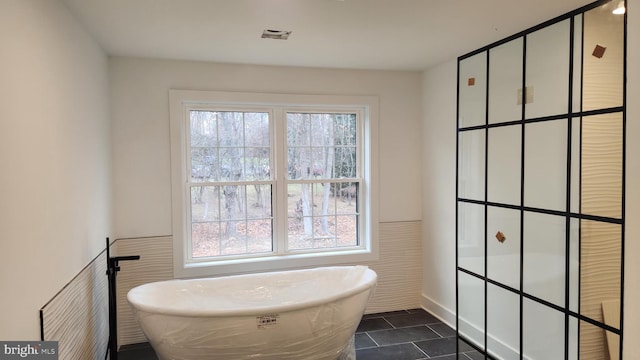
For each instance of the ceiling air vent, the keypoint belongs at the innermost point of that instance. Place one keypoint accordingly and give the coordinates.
(276, 34)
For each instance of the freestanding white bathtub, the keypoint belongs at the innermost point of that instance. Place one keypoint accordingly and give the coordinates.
(298, 314)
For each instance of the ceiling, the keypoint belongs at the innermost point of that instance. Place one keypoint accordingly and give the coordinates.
(355, 34)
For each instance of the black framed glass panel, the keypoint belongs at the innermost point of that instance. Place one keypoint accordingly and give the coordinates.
(540, 189)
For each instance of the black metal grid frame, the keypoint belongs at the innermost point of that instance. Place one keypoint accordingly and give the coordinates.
(568, 314)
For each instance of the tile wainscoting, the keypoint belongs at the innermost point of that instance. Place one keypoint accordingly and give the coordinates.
(78, 315)
(155, 264)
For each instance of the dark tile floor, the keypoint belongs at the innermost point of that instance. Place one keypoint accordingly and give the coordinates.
(408, 335)
(398, 335)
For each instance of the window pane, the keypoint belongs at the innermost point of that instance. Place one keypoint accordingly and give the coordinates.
(256, 129)
(322, 215)
(298, 129)
(251, 237)
(232, 203)
(347, 230)
(259, 201)
(345, 129)
(299, 145)
(346, 202)
(257, 164)
(208, 242)
(299, 163)
(205, 204)
(231, 164)
(321, 145)
(230, 128)
(259, 234)
(345, 165)
(322, 159)
(230, 146)
(204, 128)
(231, 141)
(322, 130)
(324, 203)
(204, 164)
(342, 232)
(205, 239)
(231, 220)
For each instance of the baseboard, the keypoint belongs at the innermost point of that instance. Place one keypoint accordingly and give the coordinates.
(448, 316)
(438, 310)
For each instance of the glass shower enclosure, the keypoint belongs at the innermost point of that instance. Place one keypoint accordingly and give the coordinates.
(540, 190)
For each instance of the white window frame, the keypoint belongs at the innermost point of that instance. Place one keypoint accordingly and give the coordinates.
(181, 101)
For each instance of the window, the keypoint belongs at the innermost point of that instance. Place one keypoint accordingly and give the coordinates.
(229, 159)
(265, 181)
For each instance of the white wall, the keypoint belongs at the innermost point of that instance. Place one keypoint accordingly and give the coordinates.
(140, 103)
(439, 190)
(439, 103)
(55, 189)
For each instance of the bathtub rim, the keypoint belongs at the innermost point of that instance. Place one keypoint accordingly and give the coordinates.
(366, 283)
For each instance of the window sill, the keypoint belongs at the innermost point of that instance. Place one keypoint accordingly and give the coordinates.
(273, 263)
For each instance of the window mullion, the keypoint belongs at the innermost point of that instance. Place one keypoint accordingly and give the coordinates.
(280, 191)
(187, 181)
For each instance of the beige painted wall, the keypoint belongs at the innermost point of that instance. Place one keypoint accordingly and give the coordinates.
(55, 187)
